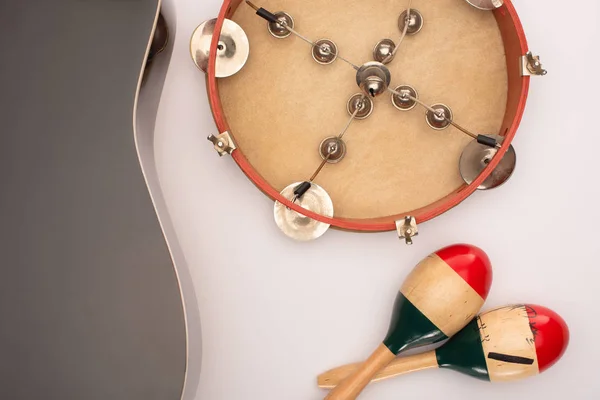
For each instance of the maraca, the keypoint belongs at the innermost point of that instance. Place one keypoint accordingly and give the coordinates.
(504, 344)
(439, 297)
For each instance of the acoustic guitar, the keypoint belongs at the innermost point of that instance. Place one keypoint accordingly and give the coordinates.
(92, 294)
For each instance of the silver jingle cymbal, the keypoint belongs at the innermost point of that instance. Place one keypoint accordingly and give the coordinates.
(415, 22)
(232, 51)
(405, 103)
(373, 78)
(384, 51)
(324, 51)
(332, 149)
(298, 226)
(476, 157)
(439, 121)
(486, 5)
(278, 31)
(363, 103)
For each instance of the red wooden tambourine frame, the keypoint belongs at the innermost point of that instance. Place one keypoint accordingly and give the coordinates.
(515, 45)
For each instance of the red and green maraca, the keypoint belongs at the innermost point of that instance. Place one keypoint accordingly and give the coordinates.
(439, 297)
(503, 344)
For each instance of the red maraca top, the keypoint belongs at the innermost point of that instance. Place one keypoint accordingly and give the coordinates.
(551, 335)
(470, 263)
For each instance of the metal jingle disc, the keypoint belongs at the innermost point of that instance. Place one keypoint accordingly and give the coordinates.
(439, 122)
(415, 22)
(324, 51)
(384, 51)
(373, 78)
(279, 31)
(486, 5)
(332, 149)
(363, 103)
(232, 51)
(405, 103)
(298, 226)
(476, 157)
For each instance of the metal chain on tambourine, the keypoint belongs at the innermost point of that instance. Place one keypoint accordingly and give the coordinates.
(272, 18)
(404, 32)
(331, 149)
(440, 113)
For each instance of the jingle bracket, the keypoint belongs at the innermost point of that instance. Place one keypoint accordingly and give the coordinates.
(224, 143)
(531, 65)
(407, 229)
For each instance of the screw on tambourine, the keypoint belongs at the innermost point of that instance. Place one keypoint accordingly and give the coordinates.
(439, 117)
(404, 101)
(384, 51)
(373, 78)
(324, 51)
(279, 30)
(360, 106)
(414, 20)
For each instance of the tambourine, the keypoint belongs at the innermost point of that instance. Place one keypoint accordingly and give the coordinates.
(366, 116)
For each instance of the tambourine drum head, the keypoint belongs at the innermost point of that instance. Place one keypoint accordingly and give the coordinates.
(282, 104)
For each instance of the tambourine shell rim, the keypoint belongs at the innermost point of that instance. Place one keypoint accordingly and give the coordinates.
(374, 224)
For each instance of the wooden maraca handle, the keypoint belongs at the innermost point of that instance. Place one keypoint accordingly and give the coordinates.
(400, 366)
(351, 387)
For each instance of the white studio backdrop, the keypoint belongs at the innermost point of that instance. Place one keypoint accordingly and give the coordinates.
(276, 313)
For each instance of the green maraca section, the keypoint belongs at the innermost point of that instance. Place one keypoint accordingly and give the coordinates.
(410, 328)
(464, 353)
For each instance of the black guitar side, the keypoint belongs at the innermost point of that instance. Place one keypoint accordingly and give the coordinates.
(90, 301)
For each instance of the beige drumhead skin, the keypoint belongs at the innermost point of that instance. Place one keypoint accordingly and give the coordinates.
(282, 104)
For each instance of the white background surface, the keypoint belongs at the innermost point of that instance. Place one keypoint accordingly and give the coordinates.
(275, 313)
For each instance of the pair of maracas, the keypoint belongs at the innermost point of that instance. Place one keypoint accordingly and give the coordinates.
(440, 299)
